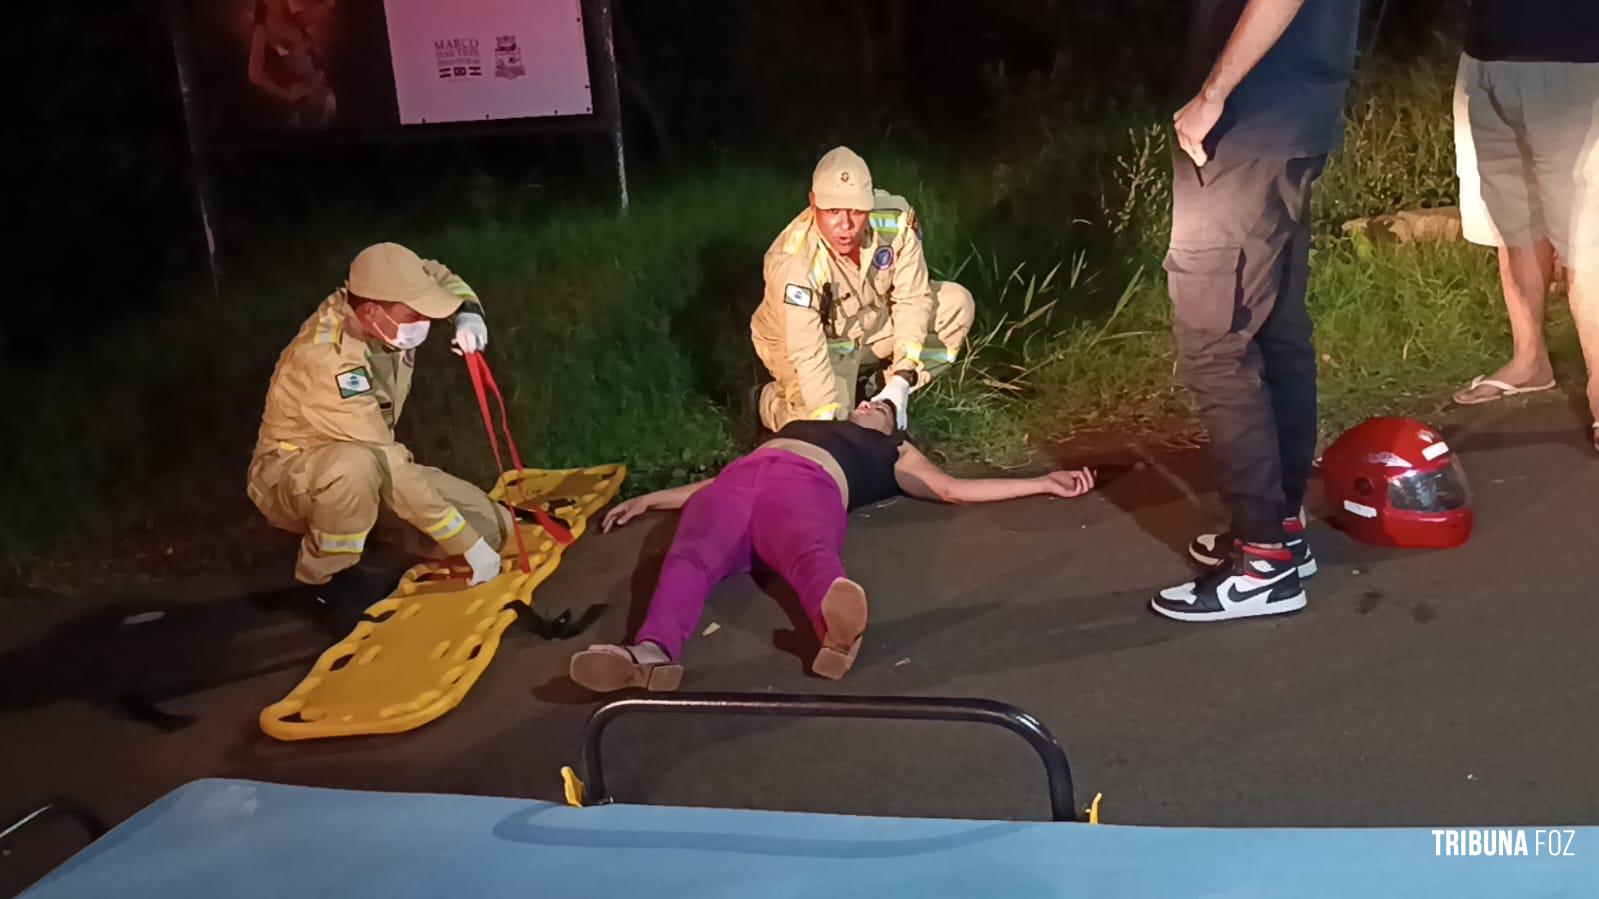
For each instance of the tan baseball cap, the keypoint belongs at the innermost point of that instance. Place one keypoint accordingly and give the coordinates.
(393, 274)
(842, 181)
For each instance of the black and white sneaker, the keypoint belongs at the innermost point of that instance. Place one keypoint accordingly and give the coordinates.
(1258, 582)
(1215, 550)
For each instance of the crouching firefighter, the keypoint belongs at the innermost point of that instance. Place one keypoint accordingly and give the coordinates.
(327, 465)
(847, 287)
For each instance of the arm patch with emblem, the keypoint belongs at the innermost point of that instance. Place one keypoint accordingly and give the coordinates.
(354, 382)
(795, 295)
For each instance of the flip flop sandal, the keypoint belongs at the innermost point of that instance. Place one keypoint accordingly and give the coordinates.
(607, 668)
(844, 614)
(1505, 390)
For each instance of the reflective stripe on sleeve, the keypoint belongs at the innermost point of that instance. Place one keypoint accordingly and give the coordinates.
(821, 269)
(341, 544)
(451, 524)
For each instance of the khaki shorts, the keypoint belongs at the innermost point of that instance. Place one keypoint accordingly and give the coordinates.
(1527, 148)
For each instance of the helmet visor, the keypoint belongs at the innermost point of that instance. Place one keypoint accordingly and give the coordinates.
(1443, 490)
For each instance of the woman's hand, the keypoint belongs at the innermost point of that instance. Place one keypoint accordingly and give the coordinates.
(1068, 484)
(625, 512)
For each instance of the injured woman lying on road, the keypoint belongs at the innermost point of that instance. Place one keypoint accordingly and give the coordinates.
(786, 505)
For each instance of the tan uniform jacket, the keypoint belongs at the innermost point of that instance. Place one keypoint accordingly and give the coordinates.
(817, 302)
(331, 386)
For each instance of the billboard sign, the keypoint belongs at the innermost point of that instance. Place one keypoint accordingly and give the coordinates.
(476, 60)
(357, 65)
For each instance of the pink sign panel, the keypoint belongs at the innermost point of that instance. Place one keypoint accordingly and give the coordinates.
(476, 60)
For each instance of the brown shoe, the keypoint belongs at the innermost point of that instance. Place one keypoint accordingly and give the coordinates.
(606, 668)
(844, 617)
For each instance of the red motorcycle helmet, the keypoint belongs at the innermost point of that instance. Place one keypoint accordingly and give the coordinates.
(1395, 482)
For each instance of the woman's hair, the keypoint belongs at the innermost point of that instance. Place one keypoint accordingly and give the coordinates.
(903, 434)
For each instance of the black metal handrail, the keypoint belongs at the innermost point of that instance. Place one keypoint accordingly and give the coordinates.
(1062, 804)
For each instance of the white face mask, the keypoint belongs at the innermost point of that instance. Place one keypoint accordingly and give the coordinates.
(409, 336)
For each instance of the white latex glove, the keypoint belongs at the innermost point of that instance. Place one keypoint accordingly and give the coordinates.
(471, 334)
(898, 392)
(485, 563)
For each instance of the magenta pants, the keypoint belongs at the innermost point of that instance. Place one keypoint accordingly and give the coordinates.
(771, 505)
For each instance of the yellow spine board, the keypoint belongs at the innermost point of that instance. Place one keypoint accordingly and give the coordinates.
(433, 637)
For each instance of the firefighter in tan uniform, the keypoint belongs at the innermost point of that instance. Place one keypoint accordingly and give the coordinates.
(847, 286)
(327, 465)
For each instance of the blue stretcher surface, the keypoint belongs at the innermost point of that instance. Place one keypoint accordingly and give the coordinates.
(242, 839)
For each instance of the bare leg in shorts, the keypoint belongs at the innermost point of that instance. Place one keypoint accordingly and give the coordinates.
(1535, 131)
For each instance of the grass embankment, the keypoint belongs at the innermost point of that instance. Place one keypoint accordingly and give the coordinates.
(625, 337)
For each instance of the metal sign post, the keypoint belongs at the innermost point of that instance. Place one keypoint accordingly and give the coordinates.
(613, 97)
(182, 55)
(220, 111)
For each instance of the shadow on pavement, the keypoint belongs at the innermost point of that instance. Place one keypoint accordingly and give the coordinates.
(129, 657)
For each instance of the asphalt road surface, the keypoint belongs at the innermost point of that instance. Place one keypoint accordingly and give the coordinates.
(1425, 688)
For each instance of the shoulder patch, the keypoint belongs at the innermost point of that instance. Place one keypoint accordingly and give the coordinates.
(886, 222)
(883, 258)
(795, 295)
(354, 382)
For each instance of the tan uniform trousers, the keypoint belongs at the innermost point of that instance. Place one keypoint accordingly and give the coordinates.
(336, 495)
(953, 313)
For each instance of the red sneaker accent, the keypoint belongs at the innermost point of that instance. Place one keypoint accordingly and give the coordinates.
(1282, 554)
